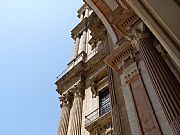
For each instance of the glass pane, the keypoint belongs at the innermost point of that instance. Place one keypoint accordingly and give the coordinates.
(104, 102)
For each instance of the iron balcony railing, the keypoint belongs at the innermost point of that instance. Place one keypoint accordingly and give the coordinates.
(93, 116)
(62, 73)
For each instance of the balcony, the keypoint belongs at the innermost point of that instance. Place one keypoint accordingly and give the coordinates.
(98, 116)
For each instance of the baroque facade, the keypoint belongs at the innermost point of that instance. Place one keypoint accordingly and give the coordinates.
(124, 75)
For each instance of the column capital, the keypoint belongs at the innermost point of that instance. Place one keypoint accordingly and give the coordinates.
(138, 33)
(78, 89)
(66, 99)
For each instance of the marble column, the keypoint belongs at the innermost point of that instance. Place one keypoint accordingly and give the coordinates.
(76, 121)
(165, 83)
(75, 53)
(82, 45)
(66, 107)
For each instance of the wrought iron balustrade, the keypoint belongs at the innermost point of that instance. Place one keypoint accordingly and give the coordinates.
(93, 116)
(62, 73)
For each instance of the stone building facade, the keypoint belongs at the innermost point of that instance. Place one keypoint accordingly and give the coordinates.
(124, 75)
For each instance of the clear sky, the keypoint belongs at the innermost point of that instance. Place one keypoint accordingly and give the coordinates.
(35, 46)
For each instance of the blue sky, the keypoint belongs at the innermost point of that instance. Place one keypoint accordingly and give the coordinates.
(35, 46)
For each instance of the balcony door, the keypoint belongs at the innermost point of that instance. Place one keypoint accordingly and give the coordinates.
(104, 102)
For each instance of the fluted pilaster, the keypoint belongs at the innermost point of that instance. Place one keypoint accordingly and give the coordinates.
(76, 121)
(116, 119)
(165, 83)
(66, 107)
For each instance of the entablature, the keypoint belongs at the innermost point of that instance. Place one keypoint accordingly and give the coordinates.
(123, 57)
(97, 28)
(79, 28)
(67, 80)
(82, 9)
(80, 69)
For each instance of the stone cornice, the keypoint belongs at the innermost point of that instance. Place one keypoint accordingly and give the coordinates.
(128, 19)
(92, 64)
(81, 70)
(94, 23)
(123, 17)
(79, 28)
(138, 33)
(83, 7)
(114, 59)
(76, 71)
(97, 28)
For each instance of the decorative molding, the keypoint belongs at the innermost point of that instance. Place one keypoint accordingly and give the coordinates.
(104, 20)
(97, 60)
(78, 89)
(127, 22)
(93, 89)
(66, 81)
(80, 70)
(83, 7)
(98, 30)
(130, 72)
(77, 31)
(66, 99)
(136, 34)
(117, 57)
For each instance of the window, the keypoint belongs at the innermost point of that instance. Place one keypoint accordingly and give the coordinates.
(104, 102)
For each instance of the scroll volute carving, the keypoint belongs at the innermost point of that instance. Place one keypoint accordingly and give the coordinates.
(135, 34)
(66, 99)
(93, 87)
(78, 89)
(98, 31)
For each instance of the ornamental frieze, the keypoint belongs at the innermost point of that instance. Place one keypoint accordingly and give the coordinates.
(115, 59)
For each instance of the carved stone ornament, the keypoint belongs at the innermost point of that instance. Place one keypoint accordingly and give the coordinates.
(131, 72)
(78, 90)
(66, 99)
(93, 89)
(98, 31)
(138, 33)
